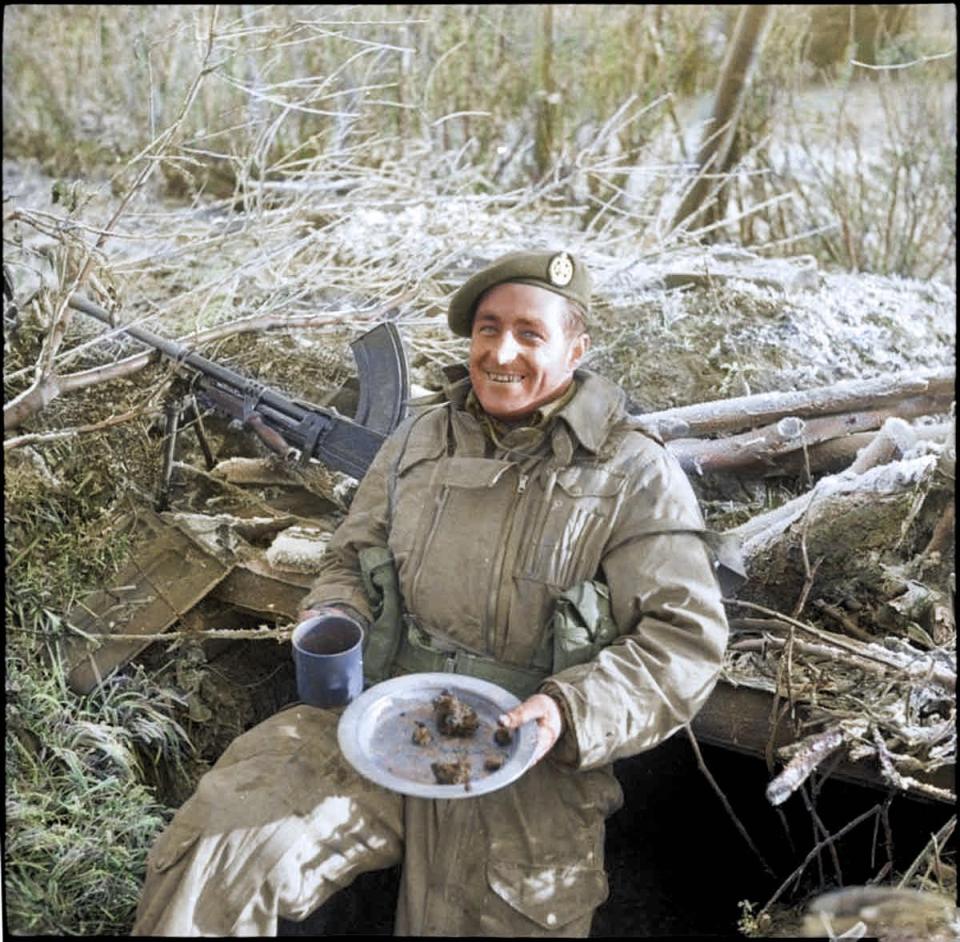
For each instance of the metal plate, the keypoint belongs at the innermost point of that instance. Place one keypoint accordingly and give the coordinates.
(375, 734)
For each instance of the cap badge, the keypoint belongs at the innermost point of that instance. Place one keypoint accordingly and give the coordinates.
(560, 270)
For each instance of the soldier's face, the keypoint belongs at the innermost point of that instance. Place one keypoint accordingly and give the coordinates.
(520, 354)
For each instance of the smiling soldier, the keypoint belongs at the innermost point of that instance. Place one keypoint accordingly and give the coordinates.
(520, 528)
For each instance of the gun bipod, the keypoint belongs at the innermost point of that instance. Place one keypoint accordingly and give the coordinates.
(180, 411)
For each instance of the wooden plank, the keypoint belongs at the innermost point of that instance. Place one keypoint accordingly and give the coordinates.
(739, 718)
(167, 574)
(257, 587)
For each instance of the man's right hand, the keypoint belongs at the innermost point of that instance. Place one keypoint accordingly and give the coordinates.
(341, 611)
(317, 612)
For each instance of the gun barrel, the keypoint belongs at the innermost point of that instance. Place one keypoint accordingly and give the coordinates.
(180, 354)
(341, 443)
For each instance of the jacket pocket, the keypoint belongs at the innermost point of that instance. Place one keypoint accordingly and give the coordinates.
(446, 577)
(409, 492)
(418, 452)
(550, 896)
(590, 482)
(572, 524)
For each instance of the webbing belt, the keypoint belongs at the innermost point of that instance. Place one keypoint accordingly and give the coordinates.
(415, 656)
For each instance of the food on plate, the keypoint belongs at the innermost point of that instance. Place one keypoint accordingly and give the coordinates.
(451, 773)
(454, 717)
(421, 734)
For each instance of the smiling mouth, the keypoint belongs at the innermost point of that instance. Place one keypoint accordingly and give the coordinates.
(504, 377)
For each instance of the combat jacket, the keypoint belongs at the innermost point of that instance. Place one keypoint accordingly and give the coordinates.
(486, 539)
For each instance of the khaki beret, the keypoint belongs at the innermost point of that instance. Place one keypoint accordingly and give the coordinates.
(559, 272)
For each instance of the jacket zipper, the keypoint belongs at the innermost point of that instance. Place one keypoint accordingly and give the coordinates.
(495, 581)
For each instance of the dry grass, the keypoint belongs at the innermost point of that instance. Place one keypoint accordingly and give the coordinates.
(295, 97)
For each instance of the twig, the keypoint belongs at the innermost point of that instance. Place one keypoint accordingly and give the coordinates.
(903, 65)
(887, 829)
(250, 634)
(814, 750)
(809, 572)
(906, 782)
(813, 853)
(786, 829)
(35, 438)
(930, 672)
(723, 798)
(821, 828)
(848, 623)
(936, 840)
(776, 718)
(816, 833)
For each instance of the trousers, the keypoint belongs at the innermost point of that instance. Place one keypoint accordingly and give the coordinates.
(282, 821)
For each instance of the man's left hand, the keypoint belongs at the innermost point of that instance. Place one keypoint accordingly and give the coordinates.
(545, 711)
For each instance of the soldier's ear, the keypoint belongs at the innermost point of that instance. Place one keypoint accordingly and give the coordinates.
(578, 350)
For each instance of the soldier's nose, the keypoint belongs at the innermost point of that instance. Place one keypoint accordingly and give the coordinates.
(506, 350)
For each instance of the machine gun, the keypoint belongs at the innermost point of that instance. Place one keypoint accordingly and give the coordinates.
(288, 427)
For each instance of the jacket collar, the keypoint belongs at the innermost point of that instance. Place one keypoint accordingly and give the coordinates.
(596, 406)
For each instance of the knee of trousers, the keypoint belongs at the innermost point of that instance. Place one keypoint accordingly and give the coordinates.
(271, 830)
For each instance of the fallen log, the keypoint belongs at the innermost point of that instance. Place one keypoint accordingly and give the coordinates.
(739, 718)
(896, 438)
(746, 412)
(876, 483)
(838, 453)
(850, 524)
(763, 450)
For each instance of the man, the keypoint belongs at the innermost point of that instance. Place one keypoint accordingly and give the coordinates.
(538, 539)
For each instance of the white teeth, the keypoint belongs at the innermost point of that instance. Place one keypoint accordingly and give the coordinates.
(504, 377)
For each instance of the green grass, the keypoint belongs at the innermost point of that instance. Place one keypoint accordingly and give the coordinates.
(82, 772)
(80, 814)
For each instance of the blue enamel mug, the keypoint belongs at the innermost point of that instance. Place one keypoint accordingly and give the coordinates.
(328, 655)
